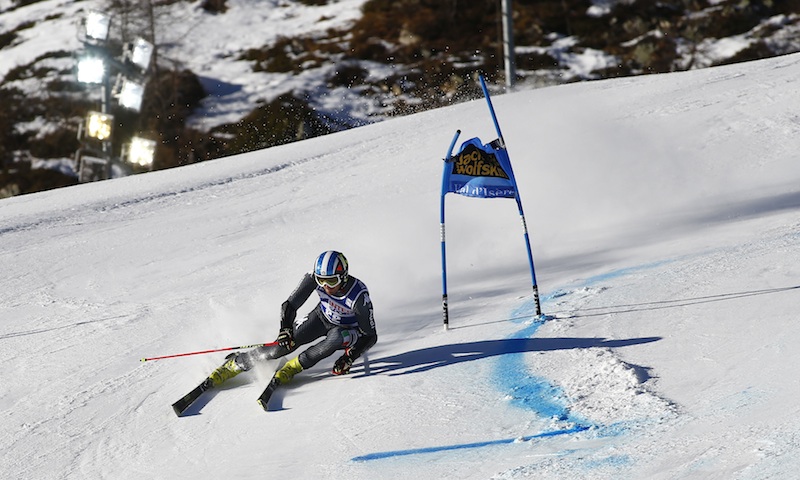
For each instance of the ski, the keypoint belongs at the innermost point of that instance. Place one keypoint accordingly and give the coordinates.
(263, 400)
(181, 406)
(184, 403)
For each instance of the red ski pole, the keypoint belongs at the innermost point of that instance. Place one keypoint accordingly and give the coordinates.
(210, 351)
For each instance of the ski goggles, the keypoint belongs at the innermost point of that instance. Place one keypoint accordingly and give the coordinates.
(331, 282)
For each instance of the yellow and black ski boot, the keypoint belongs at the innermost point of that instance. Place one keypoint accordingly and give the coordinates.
(292, 368)
(225, 372)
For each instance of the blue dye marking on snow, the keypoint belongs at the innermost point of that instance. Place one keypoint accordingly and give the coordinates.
(524, 390)
(445, 448)
(527, 391)
(623, 272)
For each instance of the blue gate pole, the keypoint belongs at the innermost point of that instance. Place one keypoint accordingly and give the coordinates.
(445, 189)
(491, 110)
(530, 257)
(519, 203)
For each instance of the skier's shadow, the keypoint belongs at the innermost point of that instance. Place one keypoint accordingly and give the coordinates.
(425, 359)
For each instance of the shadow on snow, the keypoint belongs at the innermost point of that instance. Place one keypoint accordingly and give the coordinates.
(440, 356)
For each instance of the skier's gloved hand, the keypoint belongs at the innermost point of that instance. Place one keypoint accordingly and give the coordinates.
(285, 338)
(343, 364)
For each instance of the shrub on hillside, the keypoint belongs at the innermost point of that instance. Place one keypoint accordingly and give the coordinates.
(170, 98)
(284, 120)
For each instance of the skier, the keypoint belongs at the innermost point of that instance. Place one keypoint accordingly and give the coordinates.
(343, 318)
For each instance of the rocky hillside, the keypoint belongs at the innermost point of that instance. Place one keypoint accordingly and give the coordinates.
(385, 58)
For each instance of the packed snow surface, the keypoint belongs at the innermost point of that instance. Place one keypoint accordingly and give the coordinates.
(663, 215)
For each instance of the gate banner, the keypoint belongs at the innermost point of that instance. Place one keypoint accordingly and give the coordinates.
(481, 171)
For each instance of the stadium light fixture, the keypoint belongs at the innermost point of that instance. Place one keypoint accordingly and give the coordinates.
(99, 125)
(141, 53)
(131, 94)
(141, 152)
(97, 25)
(91, 69)
(90, 167)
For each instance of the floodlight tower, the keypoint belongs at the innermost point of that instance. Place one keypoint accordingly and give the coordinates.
(95, 66)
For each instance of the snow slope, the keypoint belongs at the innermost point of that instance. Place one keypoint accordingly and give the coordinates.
(663, 217)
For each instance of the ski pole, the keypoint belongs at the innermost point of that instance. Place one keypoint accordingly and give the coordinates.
(210, 351)
(365, 359)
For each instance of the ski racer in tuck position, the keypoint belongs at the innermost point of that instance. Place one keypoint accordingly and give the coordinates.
(343, 318)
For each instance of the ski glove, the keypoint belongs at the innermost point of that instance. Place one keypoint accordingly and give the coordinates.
(285, 338)
(343, 364)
